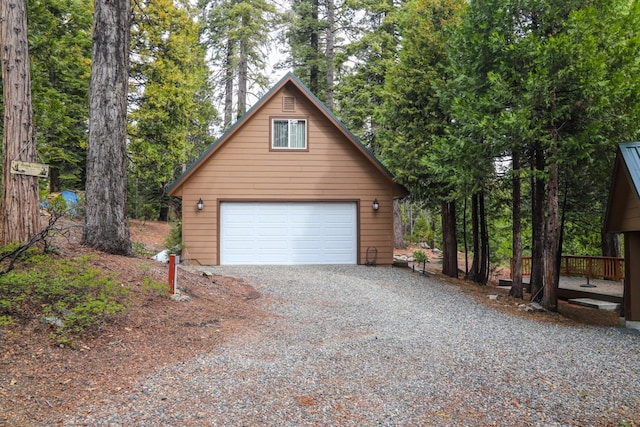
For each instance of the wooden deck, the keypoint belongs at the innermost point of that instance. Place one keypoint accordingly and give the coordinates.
(606, 268)
(573, 288)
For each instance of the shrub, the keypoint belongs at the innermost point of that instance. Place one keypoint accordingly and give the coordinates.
(419, 256)
(141, 250)
(174, 239)
(67, 292)
(155, 287)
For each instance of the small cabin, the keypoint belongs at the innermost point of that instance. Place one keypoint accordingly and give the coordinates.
(623, 216)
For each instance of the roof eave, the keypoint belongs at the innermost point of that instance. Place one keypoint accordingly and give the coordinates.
(628, 163)
(172, 188)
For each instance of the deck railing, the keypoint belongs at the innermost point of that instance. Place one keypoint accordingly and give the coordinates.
(594, 267)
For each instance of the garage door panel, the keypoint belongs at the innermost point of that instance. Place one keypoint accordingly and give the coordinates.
(236, 245)
(240, 232)
(305, 233)
(302, 245)
(272, 232)
(288, 233)
(336, 233)
(340, 245)
(272, 245)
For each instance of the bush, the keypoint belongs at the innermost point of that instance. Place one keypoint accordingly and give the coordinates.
(419, 256)
(422, 231)
(140, 250)
(67, 293)
(154, 287)
(174, 239)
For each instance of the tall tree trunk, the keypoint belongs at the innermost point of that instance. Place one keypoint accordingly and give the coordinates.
(516, 286)
(54, 180)
(475, 241)
(398, 229)
(19, 213)
(449, 241)
(464, 238)
(314, 72)
(537, 225)
(243, 66)
(551, 252)
(228, 85)
(330, 53)
(480, 267)
(106, 227)
(563, 218)
(611, 245)
(483, 272)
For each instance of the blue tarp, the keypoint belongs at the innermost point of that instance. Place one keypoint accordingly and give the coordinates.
(70, 197)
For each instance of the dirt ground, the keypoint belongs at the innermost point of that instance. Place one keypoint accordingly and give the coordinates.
(40, 380)
(569, 314)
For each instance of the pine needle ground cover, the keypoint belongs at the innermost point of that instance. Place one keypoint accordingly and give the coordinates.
(67, 293)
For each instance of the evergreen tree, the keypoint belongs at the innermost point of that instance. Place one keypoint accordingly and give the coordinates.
(172, 113)
(364, 64)
(60, 50)
(535, 76)
(237, 36)
(415, 140)
(314, 35)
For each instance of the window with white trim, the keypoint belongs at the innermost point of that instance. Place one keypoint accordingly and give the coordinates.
(289, 134)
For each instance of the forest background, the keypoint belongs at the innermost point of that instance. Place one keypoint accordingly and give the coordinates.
(502, 117)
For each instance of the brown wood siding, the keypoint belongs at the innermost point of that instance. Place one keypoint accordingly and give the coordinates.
(624, 210)
(632, 277)
(245, 168)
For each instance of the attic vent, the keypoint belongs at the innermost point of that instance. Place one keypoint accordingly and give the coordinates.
(288, 103)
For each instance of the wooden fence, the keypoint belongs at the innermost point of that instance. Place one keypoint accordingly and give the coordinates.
(594, 267)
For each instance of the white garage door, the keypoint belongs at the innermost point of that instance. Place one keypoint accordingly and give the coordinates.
(288, 233)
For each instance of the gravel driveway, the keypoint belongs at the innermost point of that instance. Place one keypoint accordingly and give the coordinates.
(355, 345)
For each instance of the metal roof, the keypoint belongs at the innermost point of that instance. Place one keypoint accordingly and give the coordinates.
(630, 152)
(626, 173)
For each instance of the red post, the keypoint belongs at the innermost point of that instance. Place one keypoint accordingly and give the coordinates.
(172, 274)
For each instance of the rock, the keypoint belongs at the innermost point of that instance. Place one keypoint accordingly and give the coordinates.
(436, 250)
(522, 306)
(493, 297)
(424, 245)
(162, 256)
(536, 307)
(181, 298)
(53, 321)
(397, 262)
(207, 273)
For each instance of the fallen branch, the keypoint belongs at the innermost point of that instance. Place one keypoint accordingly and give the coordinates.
(42, 237)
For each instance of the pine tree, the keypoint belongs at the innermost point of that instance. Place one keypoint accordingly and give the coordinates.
(106, 226)
(60, 50)
(414, 140)
(172, 115)
(19, 213)
(237, 35)
(535, 77)
(360, 90)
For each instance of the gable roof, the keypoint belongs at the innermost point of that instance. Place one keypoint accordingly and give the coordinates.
(631, 155)
(625, 186)
(289, 78)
